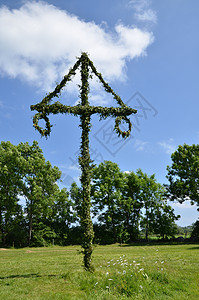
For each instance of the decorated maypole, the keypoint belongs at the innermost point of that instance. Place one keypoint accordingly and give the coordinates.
(84, 110)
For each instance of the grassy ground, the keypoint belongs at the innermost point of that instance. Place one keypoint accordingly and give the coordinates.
(127, 272)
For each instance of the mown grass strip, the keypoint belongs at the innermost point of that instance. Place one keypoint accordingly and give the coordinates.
(127, 272)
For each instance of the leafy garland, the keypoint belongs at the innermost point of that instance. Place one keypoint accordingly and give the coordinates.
(84, 110)
(44, 108)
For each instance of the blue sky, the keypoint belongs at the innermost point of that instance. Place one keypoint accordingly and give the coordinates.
(146, 50)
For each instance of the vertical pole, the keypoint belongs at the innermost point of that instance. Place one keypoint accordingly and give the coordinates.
(84, 160)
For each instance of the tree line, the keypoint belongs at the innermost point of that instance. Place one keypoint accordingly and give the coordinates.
(34, 211)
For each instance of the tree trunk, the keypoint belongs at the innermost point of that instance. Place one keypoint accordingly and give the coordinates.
(147, 232)
(1, 227)
(30, 224)
(114, 229)
(147, 229)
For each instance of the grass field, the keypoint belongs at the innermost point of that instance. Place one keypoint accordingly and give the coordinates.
(127, 272)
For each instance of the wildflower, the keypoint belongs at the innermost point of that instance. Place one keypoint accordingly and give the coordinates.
(161, 269)
(96, 283)
(107, 287)
(107, 273)
(124, 272)
(141, 270)
(110, 279)
(134, 261)
(145, 276)
(162, 262)
(141, 286)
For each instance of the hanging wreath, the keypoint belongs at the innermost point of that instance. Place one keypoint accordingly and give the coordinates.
(118, 122)
(40, 116)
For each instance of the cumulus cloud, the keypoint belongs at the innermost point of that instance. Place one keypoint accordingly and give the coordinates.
(140, 145)
(185, 205)
(127, 172)
(39, 42)
(143, 12)
(148, 15)
(168, 146)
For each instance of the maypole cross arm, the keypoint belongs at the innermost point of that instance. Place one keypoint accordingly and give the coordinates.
(44, 108)
(84, 110)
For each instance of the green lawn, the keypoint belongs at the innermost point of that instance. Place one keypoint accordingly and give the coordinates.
(127, 272)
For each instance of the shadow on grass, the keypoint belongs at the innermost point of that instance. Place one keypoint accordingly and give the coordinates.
(193, 248)
(158, 243)
(27, 276)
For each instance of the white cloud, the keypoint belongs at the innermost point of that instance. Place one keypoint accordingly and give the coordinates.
(185, 205)
(168, 146)
(140, 145)
(148, 15)
(143, 12)
(127, 172)
(39, 42)
(74, 167)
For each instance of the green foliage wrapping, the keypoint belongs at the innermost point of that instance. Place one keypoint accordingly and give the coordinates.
(84, 161)
(84, 110)
(44, 108)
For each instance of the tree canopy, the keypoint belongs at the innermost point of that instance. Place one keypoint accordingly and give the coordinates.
(25, 174)
(125, 202)
(126, 206)
(183, 174)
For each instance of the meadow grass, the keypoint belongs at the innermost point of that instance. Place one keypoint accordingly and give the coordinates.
(121, 272)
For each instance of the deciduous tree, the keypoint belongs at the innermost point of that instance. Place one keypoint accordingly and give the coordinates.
(10, 182)
(107, 181)
(183, 174)
(39, 184)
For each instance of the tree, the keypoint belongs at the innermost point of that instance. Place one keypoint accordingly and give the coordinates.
(195, 231)
(130, 204)
(10, 182)
(183, 174)
(124, 202)
(16, 229)
(39, 184)
(76, 197)
(158, 217)
(164, 220)
(150, 196)
(63, 216)
(48, 212)
(107, 181)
